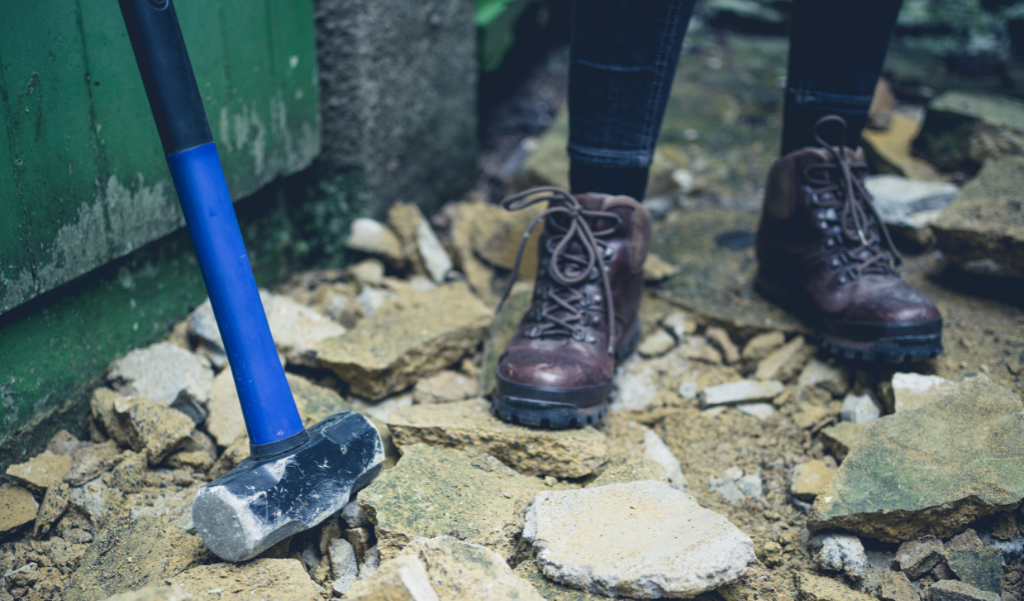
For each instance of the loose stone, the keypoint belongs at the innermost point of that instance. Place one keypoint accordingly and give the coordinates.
(656, 450)
(757, 584)
(37, 473)
(344, 567)
(55, 501)
(842, 437)
(369, 272)
(810, 479)
(657, 542)
(785, 362)
(896, 587)
(915, 558)
(739, 392)
(954, 590)
(435, 257)
(165, 374)
(645, 469)
(160, 430)
(840, 552)
(434, 491)
(444, 387)
(832, 378)
(467, 572)
(385, 354)
(679, 324)
(759, 410)
(401, 579)
(656, 344)
(369, 236)
(762, 345)
(571, 453)
(720, 338)
(860, 409)
(981, 567)
(913, 391)
(17, 508)
(916, 472)
(816, 588)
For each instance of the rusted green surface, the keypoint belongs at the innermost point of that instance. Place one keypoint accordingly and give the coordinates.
(83, 178)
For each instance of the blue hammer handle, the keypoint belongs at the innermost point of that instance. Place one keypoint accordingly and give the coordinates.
(270, 414)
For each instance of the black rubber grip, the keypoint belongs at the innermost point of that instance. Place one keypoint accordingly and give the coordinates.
(167, 73)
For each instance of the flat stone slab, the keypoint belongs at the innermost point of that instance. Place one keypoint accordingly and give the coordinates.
(572, 453)
(740, 392)
(18, 508)
(37, 473)
(388, 353)
(913, 391)
(435, 491)
(983, 229)
(714, 251)
(644, 540)
(954, 590)
(931, 470)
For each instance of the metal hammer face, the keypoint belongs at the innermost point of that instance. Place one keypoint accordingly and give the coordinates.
(261, 502)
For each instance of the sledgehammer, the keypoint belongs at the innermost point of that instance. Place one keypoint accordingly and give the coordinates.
(294, 478)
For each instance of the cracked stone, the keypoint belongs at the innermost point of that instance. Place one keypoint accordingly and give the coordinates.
(896, 587)
(373, 237)
(954, 590)
(160, 429)
(55, 501)
(435, 491)
(916, 558)
(571, 453)
(981, 567)
(656, 344)
(840, 552)
(17, 508)
(658, 542)
(388, 353)
(444, 387)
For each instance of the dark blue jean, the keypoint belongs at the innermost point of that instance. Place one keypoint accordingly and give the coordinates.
(624, 56)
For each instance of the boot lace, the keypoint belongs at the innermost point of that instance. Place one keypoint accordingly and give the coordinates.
(564, 310)
(842, 198)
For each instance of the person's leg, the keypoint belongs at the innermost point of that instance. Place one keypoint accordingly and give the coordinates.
(835, 58)
(623, 57)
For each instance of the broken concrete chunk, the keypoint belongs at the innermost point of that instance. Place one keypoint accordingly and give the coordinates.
(405, 220)
(981, 567)
(354, 515)
(839, 552)
(55, 501)
(344, 567)
(720, 338)
(909, 206)
(17, 508)
(434, 491)
(165, 374)
(37, 473)
(63, 443)
(968, 539)
(762, 345)
(160, 429)
(916, 558)
(386, 354)
(656, 344)
(758, 410)
(913, 391)
(154, 593)
(840, 438)
(810, 479)
(369, 272)
(548, 589)
(466, 572)
(699, 349)
(860, 409)
(91, 499)
(444, 387)
(835, 379)
(679, 324)
(740, 392)
(896, 587)
(816, 588)
(983, 230)
(954, 590)
(133, 553)
(657, 542)
(435, 258)
(370, 236)
(785, 362)
(278, 579)
(402, 579)
(570, 453)
(657, 269)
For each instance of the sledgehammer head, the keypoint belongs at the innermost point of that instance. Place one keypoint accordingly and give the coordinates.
(261, 502)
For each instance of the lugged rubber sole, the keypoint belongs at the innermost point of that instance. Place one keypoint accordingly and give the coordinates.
(891, 343)
(556, 408)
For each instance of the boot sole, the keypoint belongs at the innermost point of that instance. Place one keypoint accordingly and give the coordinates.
(556, 408)
(890, 343)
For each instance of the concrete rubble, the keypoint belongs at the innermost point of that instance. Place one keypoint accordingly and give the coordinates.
(571, 453)
(166, 374)
(657, 543)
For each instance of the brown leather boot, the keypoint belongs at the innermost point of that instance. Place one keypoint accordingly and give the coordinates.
(557, 371)
(823, 253)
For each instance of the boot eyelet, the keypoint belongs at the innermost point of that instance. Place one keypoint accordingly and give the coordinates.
(533, 332)
(830, 243)
(579, 335)
(823, 225)
(834, 262)
(609, 253)
(842, 279)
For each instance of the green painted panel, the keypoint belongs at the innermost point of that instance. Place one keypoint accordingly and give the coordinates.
(297, 98)
(48, 124)
(90, 183)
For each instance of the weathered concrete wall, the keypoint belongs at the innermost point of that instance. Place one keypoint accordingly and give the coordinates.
(398, 81)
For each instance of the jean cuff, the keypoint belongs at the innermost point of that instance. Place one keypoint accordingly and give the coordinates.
(611, 157)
